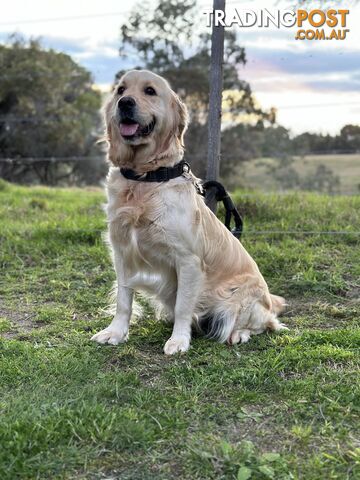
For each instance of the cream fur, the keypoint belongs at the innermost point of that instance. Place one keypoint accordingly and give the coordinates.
(167, 243)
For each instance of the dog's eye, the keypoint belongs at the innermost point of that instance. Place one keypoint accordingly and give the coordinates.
(149, 91)
(120, 90)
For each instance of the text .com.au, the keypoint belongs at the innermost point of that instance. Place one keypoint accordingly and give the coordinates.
(311, 25)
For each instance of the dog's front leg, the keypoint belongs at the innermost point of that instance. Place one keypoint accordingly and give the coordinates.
(118, 330)
(190, 280)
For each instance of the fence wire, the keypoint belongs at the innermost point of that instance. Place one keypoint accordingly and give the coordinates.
(245, 232)
(189, 156)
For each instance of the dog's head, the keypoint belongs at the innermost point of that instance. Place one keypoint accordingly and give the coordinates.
(145, 122)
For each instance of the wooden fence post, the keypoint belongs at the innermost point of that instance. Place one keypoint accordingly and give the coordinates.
(215, 97)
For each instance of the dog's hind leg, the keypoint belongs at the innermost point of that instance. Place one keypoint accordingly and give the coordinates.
(257, 319)
(237, 336)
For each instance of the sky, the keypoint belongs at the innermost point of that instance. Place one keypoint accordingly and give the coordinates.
(315, 85)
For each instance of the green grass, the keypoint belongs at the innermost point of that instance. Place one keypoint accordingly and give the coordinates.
(346, 167)
(282, 406)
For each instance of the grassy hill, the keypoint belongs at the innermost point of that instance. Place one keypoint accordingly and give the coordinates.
(282, 406)
(345, 167)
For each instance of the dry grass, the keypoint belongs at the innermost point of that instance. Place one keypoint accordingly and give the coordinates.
(346, 167)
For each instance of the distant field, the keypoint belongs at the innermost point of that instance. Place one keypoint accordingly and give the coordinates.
(346, 167)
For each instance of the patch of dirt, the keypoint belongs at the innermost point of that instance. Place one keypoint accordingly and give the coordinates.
(320, 314)
(148, 364)
(354, 293)
(21, 321)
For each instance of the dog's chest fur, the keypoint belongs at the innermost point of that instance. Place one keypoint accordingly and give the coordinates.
(136, 215)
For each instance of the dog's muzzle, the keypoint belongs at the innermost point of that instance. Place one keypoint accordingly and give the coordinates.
(129, 125)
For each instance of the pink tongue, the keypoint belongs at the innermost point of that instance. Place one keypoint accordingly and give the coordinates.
(128, 129)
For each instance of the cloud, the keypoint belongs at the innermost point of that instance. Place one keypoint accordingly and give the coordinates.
(104, 68)
(63, 44)
(83, 47)
(278, 69)
(319, 61)
(350, 85)
(100, 58)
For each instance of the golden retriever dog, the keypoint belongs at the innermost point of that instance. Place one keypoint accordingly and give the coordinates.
(165, 241)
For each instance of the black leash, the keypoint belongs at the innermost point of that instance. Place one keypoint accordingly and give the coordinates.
(164, 174)
(221, 195)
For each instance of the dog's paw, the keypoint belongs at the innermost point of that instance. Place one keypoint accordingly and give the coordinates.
(176, 344)
(109, 336)
(239, 335)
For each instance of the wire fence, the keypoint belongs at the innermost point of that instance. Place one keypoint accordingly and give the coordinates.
(36, 117)
(99, 231)
(243, 195)
(191, 158)
(53, 160)
(47, 118)
(188, 157)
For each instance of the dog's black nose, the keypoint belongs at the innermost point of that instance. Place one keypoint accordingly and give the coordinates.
(126, 103)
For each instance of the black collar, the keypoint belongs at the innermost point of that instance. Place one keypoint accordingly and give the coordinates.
(162, 174)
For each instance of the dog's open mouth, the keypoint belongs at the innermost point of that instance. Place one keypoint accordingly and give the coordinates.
(130, 129)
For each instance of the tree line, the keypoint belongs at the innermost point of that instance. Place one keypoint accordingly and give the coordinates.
(49, 105)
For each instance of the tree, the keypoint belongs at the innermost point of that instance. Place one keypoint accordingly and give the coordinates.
(48, 108)
(275, 142)
(239, 144)
(175, 47)
(350, 138)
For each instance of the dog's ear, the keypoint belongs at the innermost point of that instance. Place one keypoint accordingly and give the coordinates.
(182, 118)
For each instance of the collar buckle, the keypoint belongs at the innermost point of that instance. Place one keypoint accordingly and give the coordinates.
(186, 167)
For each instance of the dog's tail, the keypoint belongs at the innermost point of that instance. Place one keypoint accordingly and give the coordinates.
(278, 304)
(217, 325)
